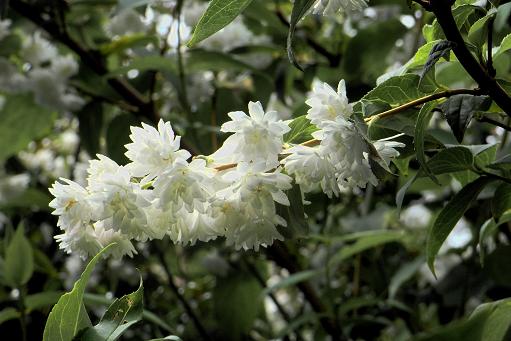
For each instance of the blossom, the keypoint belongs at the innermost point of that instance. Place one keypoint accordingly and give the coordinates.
(386, 149)
(126, 22)
(153, 151)
(37, 50)
(326, 104)
(327, 7)
(71, 204)
(311, 167)
(348, 150)
(119, 200)
(257, 137)
(64, 67)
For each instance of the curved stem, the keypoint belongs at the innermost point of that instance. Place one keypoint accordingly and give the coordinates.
(422, 100)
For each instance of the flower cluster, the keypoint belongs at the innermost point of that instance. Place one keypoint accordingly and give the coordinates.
(341, 160)
(45, 72)
(233, 193)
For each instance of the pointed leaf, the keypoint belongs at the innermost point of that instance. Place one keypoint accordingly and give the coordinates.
(450, 215)
(300, 8)
(68, 317)
(19, 259)
(421, 125)
(459, 110)
(218, 15)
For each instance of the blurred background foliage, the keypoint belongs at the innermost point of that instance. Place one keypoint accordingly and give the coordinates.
(364, 263)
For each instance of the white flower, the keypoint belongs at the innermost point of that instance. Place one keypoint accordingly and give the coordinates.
(126, 22)
(81, 241)
(12, 186)
(416, 216)
(11, 81)
(256, 138)
(184, 186)
(121, 202)
(253, 194)
(386, 149)
(234, 35)
(71, 204)
(37, 50)
(311, 167)
(105, 237)
(348, 150)
(327, 7)
(153, 151)
(4, 28)
(326, 104)
(64, 67)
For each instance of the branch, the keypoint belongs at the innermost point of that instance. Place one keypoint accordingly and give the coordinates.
(279, 253)
(443, 12)
(494, 122)
(422, 100)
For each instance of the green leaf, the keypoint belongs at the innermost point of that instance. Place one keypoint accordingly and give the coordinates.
(439, 50)
(42, 300)
(122, 313)
(293, 214)
(19, 259)
(147, 63)
(300, 8)
(488, 229)
(90, 120)
(8, 314)
(218, 15)
(479, 30)
(117, 135)
(450, 160)
(291, 280)
(394, 91)
(367, 241)
(505, 45)
(234, 307)
(15, 133)
(68, 317)
(301, 130)
(459, 109)
(405, 273)
(488, 322)
(421, 125)
(128, 41)
(203, 60)
(501, 201)
(450, 215)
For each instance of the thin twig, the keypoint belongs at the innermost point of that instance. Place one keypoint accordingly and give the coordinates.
(494, 122)
(189, 311)
(279, 253)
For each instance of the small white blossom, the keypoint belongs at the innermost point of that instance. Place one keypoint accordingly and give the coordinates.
(71, 204)
(126, 22)
(153, 151)
(256, 138)
(328, 7)
(37, 50)
(416, 216)
(387, 149)
(326, 104)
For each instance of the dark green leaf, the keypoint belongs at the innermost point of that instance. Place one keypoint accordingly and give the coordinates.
(459, 109)
(234, 305)
(501, 201)
(121, 314)
(421, 125)
(300, 8)
(368, 241)
(8, 314)
(293, 214)
(90, 120)
(218, 15)
(450, 160)
(68, 317)
(450, 215)
(301, 130)
(19, 259)
(117, 135)
(405, 273)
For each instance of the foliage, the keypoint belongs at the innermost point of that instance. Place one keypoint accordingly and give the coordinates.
(399, 231)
